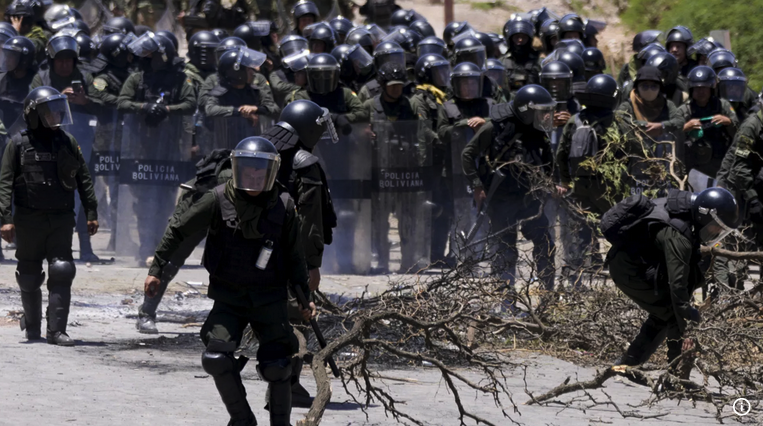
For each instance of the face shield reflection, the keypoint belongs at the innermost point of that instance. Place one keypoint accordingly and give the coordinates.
(441, 74)
(543, 119)
(732, 90)
(54, 111)
(255, 173)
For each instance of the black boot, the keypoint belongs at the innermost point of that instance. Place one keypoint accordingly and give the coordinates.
(31, 300)
(146, 323)
(651, 336)
(59, 299)
(86, 248)
(300, 397)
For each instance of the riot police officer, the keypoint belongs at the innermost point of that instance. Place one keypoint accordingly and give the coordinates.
(675, 85)
(732, 86)
(640, 40)
(290, 78)
(41, 170)
(522, 62)
(388, 51)
(549, 35)
(356, 64)
(663, 242)
(341, 27)
(304, 13)
(118, 24)
(322, 39)
(709, 123)
(249, 217)
(302, 125)
(594, 61)
(571, 26)
(201, 57)
(518, 130)
(678, 42)
(21, 14)
(362, 37)
(18, 69)
(158, 91)
(588, 185)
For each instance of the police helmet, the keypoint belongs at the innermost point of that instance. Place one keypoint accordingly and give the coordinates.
(18, 53)
(46, 107)
(715, 214)
(201, 50)
(534, 105)
(322, 74)
(255, 162)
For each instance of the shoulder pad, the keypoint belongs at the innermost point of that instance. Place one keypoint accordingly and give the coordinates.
(281, 137)
(678, 202)
(218, 91)
(501, 112)
(304, 159)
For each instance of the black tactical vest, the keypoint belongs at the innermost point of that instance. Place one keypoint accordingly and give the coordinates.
(231, 259)
(38, 184)
(151, 86)
(519, 71)
(236, 97)
(333, 101)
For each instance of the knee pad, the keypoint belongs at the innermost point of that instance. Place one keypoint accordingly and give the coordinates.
(218, 363)
(61, 271)
(30, 282)
(275, 371)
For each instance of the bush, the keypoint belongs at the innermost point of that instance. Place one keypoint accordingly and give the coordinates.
(703, 17)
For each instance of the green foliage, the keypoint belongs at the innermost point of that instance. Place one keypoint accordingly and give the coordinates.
(704, 16)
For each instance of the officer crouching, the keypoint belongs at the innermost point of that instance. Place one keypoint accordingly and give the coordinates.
(251, 217)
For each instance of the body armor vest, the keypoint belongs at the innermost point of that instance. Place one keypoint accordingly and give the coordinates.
(333, 101)
(38, 184)
(151, 86)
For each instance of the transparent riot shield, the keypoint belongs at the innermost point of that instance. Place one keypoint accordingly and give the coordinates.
(10, 110)
(104, 169)
(154, 161)
(402, 187)
(347, 165)
(464, 211)
(83, 130)
(227, 132)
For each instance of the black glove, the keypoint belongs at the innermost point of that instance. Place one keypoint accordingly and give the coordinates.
(156, 114)
(755, 209)
(694, 316)
(146, 108)
(343, 124)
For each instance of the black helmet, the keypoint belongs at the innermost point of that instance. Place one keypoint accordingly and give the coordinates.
(592, 28)
(495, 70)
(470, 49)
(377, 34)
(518, 27)
(118, 24)
(732, 84)
(252, 33)
(601, 91)
(114, 49)
(702, 76)
(355, 63)
(87, 48)
(722, 58)
(647, 73)
(7, 31)
(18, 53)
(21, 8)
(453, 29)
(500, 44)
(405, 37)
(62, 44)
(305, 7)
(549, 30)
(433, 69)
(292, 44)
(645, 37)
(391, 73)
(46, 107)
(423, 27)
(297, 61)
(668, 66)
(534, 105)
(486, 41)
(703, 47)
(201, 50)
(389, 51)
(255, 162)
(539, 16)
(170, 36)
(430, 45)
(466, 81)
(322, 74)
(308, 121)
(594, 60)
(160, 49)
(220, 33)
(577, 67)
(233, 65)
(680, 34)
(362, 38)
(58, 12)
(571, 23)
(227, 44)
(571, 45)
(341, 27)
(648, 51)
(404, 17)
(715, 213)
(556, 77)
(323, 34)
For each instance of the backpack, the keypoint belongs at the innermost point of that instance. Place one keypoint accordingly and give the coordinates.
(584, 145)
(208, 169)
(623, 216)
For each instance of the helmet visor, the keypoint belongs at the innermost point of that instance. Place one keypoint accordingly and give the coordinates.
(62, 23)
(361, 61)
(543, 118)
(377, 34)
(9, 60)
(475, 56)
(144, 45)
(715, 231)
(293, 46)
(467, 87)
(427, 48)
(322, 80)
(441, 74)
(495, 74)
(260, 28)
(250, 58)
(732, 90)
(559, 88)
(254, 171)
(54, 111)
(394, 57)
(297, 61)
(325, 121)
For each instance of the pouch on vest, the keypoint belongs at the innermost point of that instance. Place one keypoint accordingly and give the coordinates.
(68, 165)
(623, 216)
(584, 146)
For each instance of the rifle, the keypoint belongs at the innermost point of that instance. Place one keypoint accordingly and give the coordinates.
(318, 334)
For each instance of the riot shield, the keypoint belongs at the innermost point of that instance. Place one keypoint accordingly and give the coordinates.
(402, 185)
(227, 132)
(10, 109)
(83, 130)
(464, 210)
(347, 165)
(104, 169)
(154, 161)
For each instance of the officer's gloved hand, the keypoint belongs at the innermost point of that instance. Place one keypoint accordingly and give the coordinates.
(343, 124)
(756, 210)
(146, 108)
(159, 111)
